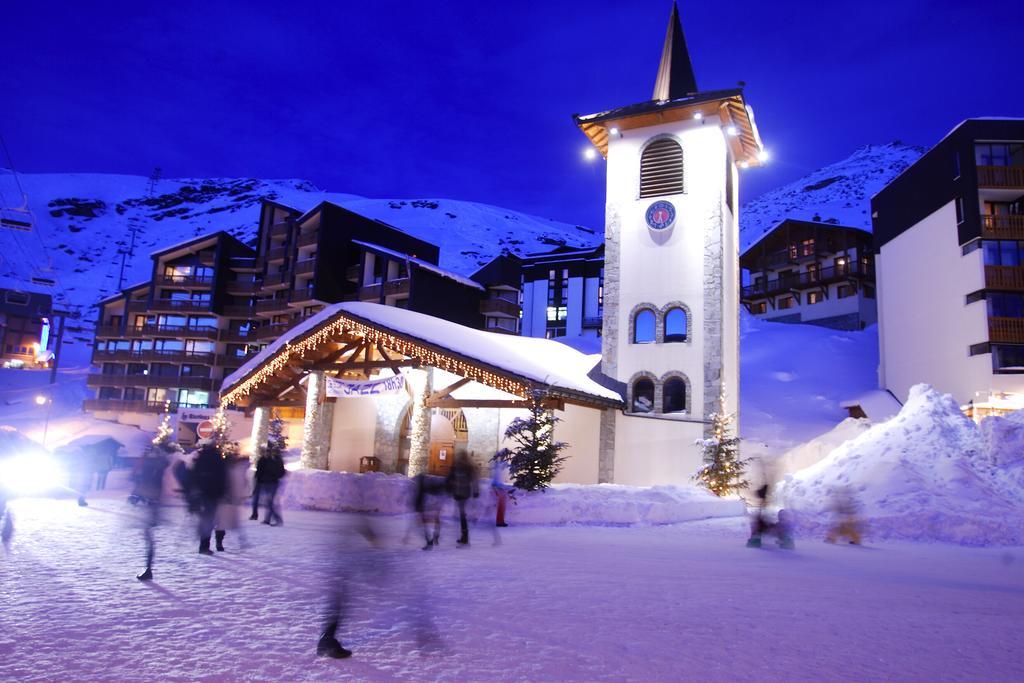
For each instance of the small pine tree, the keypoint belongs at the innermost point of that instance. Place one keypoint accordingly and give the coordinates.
(535, 461)
(222, 435)
(163, 442)
(723, 469)
(276, 441)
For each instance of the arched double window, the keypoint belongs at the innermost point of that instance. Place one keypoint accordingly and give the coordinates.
(645, 326)
(661, 168)
(642, 399)
(676, 323)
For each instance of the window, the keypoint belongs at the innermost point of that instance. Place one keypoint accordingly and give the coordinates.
(600, 291)
(557, 283)
(999, 154)
(814, 297)
(813, 272)
(675, 325)
(644, 327)
(554, 330)
(674, 395)
(785, 302)
(556, 313)
(110, 394)
(138, 369)
(643, 396)
(195, 371)
(1007, 359)
(869, 292)
(844, 291)
(661, 168)
(163, 370)
(1005, 305)
(758, 308)
(134, 394)
(959, 210)
(842, 265)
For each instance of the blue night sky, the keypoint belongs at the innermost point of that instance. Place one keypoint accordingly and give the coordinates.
(472, 100)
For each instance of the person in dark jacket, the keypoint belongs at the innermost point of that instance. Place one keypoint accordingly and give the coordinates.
(427, 501)
(462, 483)
(269, 472)
(207, 483)
(148, 490)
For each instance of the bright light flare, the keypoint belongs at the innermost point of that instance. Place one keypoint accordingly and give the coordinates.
(732, 131)
(613, 131)
(763, 156)
(698, 116)
(40, 400)
(590, 154)
(31, 475)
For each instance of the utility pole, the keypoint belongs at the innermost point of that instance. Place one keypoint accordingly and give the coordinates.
(134, 228)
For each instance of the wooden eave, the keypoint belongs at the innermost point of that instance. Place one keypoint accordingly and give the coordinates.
(730, 108)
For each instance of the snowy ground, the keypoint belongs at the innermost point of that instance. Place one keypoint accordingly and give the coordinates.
(678, 602)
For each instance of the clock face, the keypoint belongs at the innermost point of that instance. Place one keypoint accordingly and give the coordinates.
(661, 215)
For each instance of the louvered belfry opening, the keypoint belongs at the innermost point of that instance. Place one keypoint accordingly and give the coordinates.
(661, 168)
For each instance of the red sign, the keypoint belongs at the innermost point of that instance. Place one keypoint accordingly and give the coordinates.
(204, 430)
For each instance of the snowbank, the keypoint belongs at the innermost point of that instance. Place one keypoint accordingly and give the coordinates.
(926, 474)
(603, 504)
(817, 449)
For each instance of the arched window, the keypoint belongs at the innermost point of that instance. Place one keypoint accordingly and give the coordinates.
(643, 396)
(673, 395)
(644, 324)
(661, 168)
(675, 325)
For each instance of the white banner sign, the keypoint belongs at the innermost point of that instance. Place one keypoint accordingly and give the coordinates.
(341, 388)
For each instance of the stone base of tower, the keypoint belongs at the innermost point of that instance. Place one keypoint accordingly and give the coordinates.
(652, 451)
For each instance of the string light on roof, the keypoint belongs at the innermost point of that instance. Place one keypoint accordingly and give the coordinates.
(590, 154)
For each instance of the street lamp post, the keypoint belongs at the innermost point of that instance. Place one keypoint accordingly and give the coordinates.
(42, 400)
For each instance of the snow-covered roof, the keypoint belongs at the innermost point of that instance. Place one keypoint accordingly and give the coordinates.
(541, 361)
(420, 263)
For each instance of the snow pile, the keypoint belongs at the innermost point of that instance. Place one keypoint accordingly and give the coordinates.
(818, 449)
(1004, 439)
(926, 474)
(603, 504)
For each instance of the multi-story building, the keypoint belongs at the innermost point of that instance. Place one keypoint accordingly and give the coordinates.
(563, 292)
(949, 234)
(213, 302)
(502, 307)
(810, 272)
(25, 319)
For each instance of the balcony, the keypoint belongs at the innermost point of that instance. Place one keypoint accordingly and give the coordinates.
(1002, 227)
(232, 361)
(268, 332)
(153, 356)
(160, 381)
(305, 266)
(1005, 277)
(1006, 330)
(109, 331)
(180, 306)
(175, 331)
(391, 288)
(277, 281)
(237, 336)
(184, 280)
(271, 306)
(277, 254)
(120, 406)
(301, 297)
(243, 264)
(809, 280)
(592, 323)
(280, 230)
(238, 311)
(242, 287)
(1001, 177)
(308, 239)
(137, 305)
(500, 308)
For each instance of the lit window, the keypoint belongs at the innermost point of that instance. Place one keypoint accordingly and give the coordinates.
(675, 325)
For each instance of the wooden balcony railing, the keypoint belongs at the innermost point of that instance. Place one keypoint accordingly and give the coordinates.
(305, 266)
(184, 280)
(236, 336)
(1006, 330)
(120, 406)
(271, 306)
(175, 331)
(309, 238)
(238, 310)
(303, 295)
(275, 280)
(280, 229)
(164, 381)
(180, 305)
(807, 280)
(1002, 227)
(1008, 177)
(242, 287)
(274, 331)
(500, 308)
(390, 288)
(152, 356)
(277, 254)
(1005, 277)
(109, 331)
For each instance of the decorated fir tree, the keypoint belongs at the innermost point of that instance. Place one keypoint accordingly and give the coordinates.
(723, 469)
(222, 435)
(163, 442)
(535, 460)
(276, 441)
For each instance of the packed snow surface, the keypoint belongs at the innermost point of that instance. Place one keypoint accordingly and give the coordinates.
(603, 504)
(926, 474)
(680, 602)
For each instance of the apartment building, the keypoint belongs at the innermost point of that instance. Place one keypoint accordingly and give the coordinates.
(563, 292)
(950, 264)
(25, 324)
(213, 302)
(811, 272)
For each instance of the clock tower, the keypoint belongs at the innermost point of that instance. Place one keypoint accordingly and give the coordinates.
(671, 286)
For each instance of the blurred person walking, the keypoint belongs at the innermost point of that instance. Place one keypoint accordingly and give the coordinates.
(463, 484)
(227, 516)
(270, 471)
(502, 489)
(207, 484)
(149, 491)
(846, 517)
(428, 501)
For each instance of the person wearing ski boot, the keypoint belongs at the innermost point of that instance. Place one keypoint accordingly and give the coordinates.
(761, 525)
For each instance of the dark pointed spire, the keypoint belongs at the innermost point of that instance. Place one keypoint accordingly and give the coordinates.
(675, 72)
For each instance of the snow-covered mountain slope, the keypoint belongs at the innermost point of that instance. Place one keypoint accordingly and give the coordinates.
(83, 223)
(838, 193)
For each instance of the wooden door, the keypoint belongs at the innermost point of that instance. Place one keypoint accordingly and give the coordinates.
(441, 457)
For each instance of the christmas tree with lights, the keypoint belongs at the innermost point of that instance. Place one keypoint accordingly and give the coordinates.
(163, 443)
(535, 460)
(723, 469)
(276, 441)
(222, 435)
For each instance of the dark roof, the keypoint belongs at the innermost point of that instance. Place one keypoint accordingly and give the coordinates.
(675, 71)
(655, 105)
(25, 304)
(564, 252)
(220, 234)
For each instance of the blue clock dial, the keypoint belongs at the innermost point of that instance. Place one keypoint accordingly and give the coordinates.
(661, 215)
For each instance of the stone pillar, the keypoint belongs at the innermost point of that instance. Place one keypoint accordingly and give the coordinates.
(419, 446)
(713, 316)
(316, 428)
(606, 447)
(260, 429)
